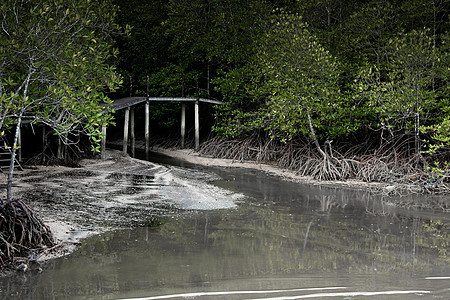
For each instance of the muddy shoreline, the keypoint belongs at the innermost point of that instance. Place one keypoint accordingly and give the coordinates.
(390, 191)
(121, 192)
(79, 202)
(115, 193)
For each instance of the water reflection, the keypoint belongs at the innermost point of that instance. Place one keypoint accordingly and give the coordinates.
(200, 250)
(284, 237)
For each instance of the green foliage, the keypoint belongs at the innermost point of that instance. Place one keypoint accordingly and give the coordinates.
(440, 133)
(300, 74)
(241, 89)
(440, 128)
(404, 90)
(55, 63)
(290, 72)
(438, 169)
(176, 40)
(360, 67)
(440, 240)
(220, 32)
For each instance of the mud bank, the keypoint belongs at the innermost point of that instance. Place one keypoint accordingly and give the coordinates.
(118, 192)
(122, 192)
(400, 195)
(191, 156)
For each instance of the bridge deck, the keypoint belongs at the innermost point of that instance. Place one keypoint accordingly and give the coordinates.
(128, 103)
(123, 103)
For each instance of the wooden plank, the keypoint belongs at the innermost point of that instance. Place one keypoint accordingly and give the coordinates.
(128, 102)
(147, 121)
(124, 103)
(211, 101)
(172, 99)
(8, 152)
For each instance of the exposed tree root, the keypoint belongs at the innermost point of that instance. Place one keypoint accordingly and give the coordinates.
(384, 165)
(21, 233)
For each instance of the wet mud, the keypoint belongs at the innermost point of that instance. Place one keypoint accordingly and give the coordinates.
(274, 239)
(119, 192)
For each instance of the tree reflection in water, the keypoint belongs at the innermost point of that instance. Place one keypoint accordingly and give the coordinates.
(281, 237)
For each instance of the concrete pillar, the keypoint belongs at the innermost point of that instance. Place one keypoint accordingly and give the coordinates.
(147, 129)
(133, 138)
(183, 124)
(197, 120)
(125, 130)
(197, 126)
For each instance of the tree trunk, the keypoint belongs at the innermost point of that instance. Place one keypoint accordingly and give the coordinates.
(313, 133)
(13, 159)
(417, 125)
(208, 72)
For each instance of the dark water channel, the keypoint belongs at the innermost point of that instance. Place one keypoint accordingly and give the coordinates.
(282, 241)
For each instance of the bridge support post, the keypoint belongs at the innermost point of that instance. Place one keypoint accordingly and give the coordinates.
(19, 144)
(197, 126)
(103, 148)
(125, 131)
(197, 120)
(147, 129)
(133, 138)
(183, 124)
(147, 121)
(44, 143)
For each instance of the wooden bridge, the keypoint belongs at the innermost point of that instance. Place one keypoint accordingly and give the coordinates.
(128, 104)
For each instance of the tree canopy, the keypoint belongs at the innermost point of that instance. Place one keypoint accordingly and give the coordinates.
(326, 70)
(361, 68)
(55, 65)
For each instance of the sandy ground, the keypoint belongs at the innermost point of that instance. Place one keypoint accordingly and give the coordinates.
(72, 201)
(118, 192)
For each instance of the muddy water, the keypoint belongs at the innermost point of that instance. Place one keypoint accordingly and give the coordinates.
(281, 241)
